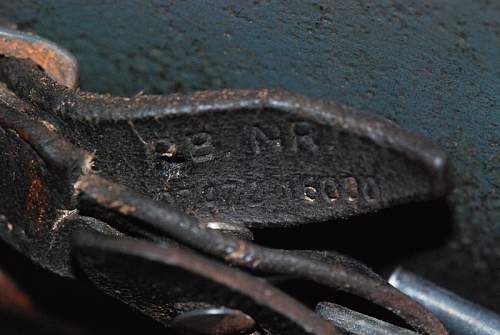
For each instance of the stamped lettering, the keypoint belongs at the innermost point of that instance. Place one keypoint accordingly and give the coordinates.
(264, 138)
(201, 147)
(310, 194)
(316, 190)
(370, 190)
(351, 188)
(273, 165)
(330, 189)
(303, 137)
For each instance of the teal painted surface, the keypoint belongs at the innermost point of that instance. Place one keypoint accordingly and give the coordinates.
(431, 66)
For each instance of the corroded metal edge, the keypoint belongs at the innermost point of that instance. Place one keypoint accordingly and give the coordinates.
(59, 63)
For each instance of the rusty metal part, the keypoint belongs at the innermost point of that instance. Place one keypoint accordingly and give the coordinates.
(180, 281)
(142, 143)
(59, 64)
(38, 172)
(214, 321)
(258, 157)
(356, 323)
(99, 197)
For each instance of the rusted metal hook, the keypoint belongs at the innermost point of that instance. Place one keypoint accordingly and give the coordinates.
(59, 64)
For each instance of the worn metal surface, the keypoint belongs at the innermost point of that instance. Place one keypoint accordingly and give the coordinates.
(129, 211)
(38, 170)
(431, 66)
(57, 157)
(356, 323)
(169, 281)
(263, 158)
(64, 307)
(460, 316)
(66, 187)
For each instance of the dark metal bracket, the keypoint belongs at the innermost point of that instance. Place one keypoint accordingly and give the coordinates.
(167, 169)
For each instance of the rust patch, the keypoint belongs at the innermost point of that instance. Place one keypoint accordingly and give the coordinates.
(122, 208)
(49, 126)
(126, 209)
(237, 254)
(57, 62)
(36, 202)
